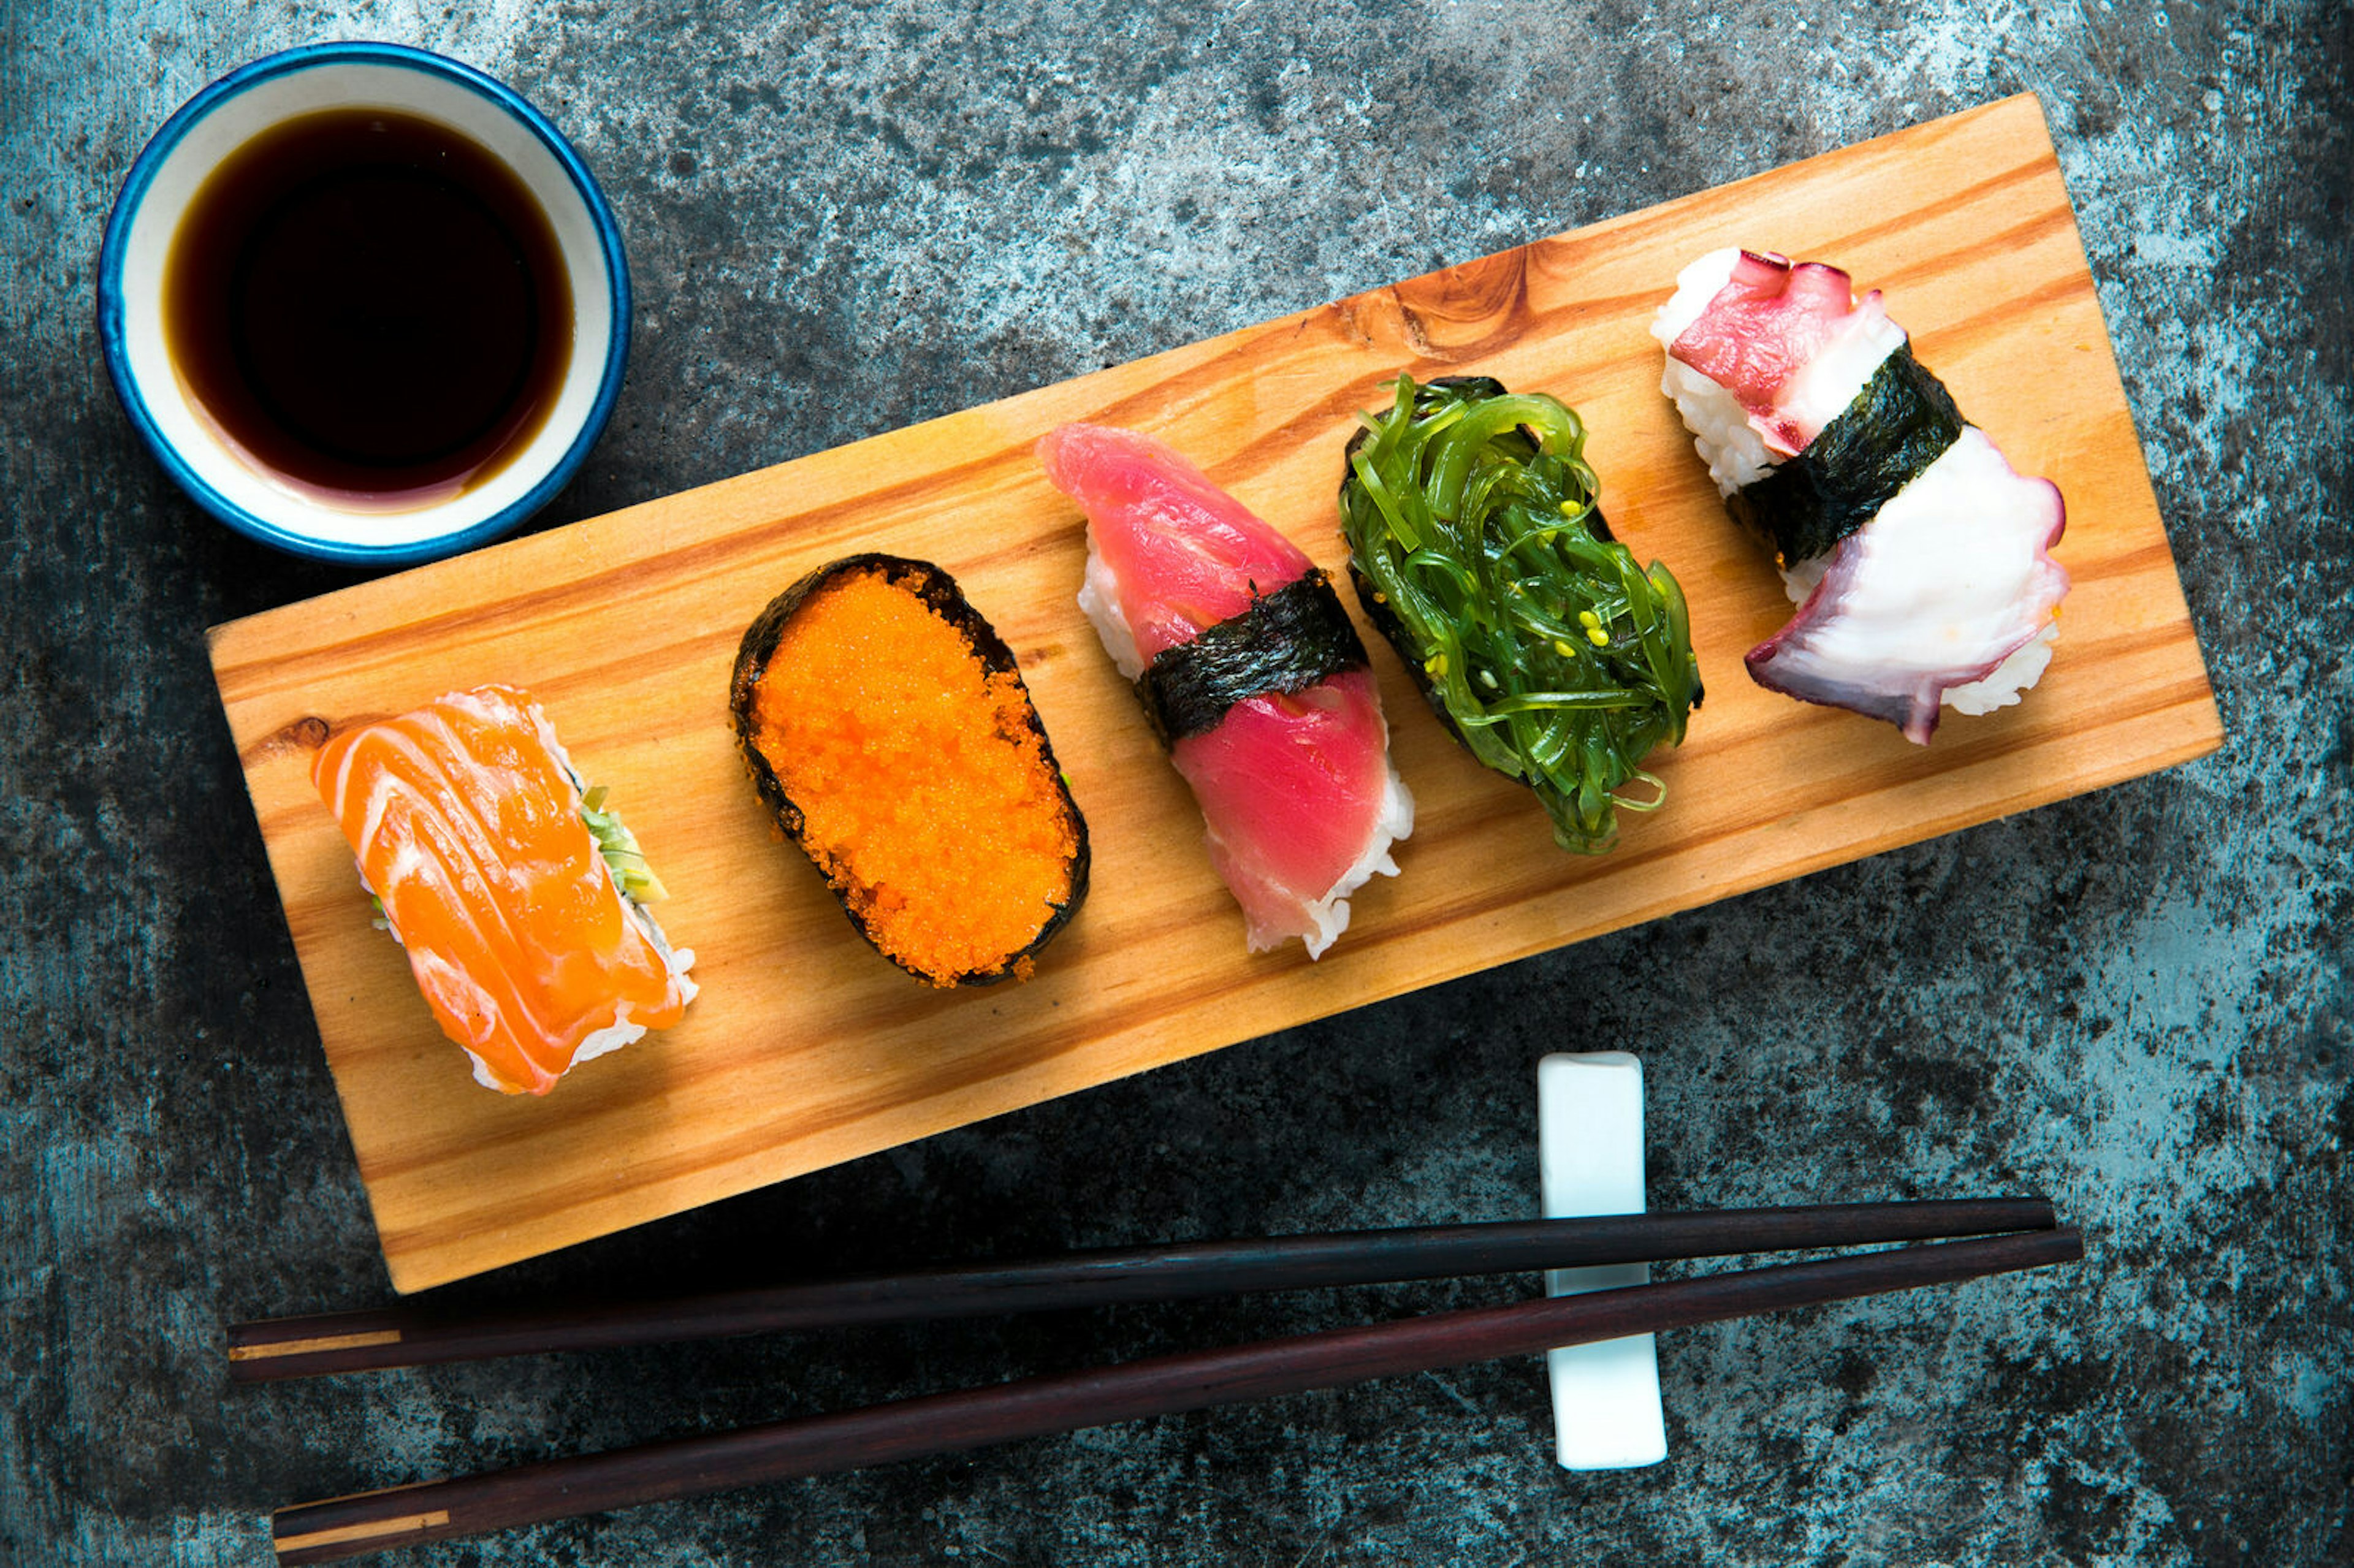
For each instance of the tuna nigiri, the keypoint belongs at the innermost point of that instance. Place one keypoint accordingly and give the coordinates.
(1250, 671)
(1920, 560)
(473, 833)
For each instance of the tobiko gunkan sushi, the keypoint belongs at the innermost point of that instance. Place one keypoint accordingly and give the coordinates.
(516, 894)
(1252, 673)
(887, 727)
(1920, 560)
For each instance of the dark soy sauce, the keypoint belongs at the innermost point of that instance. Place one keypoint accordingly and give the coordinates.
(370, 306)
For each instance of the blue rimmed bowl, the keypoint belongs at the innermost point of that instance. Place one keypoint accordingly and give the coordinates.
(282, 87)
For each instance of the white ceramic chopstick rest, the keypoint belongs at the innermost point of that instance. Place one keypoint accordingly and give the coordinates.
(1606, 1396)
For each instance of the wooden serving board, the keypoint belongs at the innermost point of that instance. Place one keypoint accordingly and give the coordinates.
(805, 1048)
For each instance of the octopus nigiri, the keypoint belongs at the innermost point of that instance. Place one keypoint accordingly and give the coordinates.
(1920, 559)
(1252, 673)
(504, 883)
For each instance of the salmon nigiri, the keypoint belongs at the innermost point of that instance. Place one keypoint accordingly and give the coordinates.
(1250, 671)
(473, 833)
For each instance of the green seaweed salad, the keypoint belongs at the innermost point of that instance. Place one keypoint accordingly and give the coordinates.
(1479, 551)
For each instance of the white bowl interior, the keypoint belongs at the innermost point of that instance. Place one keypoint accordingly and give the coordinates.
(336, 84)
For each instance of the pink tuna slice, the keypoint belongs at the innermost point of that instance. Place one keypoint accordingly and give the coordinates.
(1763, 327)
(1952, 577)
(1296, 789)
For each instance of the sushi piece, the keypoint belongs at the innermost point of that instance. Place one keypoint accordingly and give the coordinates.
(1920, 560)
(1250, 672)
(516, 896)
(889, 732)
(1478, 549)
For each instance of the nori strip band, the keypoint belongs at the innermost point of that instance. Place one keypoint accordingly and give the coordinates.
(1901, 422)
(1286, 642)
(1479, 551)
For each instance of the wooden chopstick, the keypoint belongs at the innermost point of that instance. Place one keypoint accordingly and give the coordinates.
(1038, 1407)
(395, 1337)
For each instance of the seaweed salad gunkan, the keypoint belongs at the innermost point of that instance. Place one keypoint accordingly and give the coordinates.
(1478, 548)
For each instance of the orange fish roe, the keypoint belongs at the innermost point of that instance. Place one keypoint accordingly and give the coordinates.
(926, 796)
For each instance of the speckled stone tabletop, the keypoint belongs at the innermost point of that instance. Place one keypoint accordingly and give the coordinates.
(843, 218)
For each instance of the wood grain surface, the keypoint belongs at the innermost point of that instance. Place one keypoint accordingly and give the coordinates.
(806, 1048)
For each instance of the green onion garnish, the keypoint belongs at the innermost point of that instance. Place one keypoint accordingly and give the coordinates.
(635, 878)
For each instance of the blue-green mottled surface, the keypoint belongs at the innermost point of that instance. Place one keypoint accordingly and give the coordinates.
(843, 219)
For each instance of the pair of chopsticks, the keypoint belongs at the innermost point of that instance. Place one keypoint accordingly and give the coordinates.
(1193, 1379)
